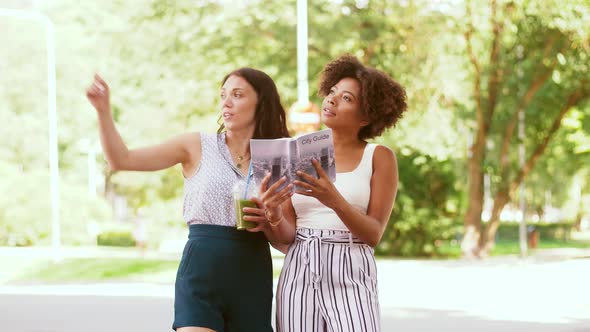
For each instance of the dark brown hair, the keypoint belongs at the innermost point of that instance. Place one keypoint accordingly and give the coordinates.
(382, 99)
(271, 121)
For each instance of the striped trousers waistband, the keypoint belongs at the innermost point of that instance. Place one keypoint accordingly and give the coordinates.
(312, 240)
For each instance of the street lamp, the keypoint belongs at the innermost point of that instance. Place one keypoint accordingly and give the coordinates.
(304, 116)
(302, 84)
(52, 112)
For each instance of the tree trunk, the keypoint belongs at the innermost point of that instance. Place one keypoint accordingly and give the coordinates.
(503, 196)
(578, 221)
(488, 240)
(108, 183)
(472, 221)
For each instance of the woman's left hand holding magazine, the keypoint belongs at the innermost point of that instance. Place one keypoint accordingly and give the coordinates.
(321, 188)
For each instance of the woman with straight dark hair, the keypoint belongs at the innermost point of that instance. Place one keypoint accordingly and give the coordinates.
(224, 281)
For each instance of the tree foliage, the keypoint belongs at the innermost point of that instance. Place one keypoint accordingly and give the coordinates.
(469, 69)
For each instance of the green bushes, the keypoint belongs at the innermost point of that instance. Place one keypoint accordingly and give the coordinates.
(116, 239)
(508, 231)
(26, 214)
(415, 232)
(426, 207)
(427, 212)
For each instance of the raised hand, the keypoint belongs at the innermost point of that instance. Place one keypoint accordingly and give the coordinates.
(98, 94)
(321, 188)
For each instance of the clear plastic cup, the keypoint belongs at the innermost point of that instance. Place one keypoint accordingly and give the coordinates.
(242, 198)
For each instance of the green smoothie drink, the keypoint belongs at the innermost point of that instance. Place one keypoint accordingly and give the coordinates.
(242, 195)
(240, 204)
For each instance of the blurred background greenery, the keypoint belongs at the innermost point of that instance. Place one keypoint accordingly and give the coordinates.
(469, 69)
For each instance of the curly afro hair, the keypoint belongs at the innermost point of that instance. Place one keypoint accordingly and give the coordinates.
(382, 99)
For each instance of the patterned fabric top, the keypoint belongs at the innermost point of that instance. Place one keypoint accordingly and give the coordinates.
(207, 192)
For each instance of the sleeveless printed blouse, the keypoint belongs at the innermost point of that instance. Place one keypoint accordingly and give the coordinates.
(207, 192)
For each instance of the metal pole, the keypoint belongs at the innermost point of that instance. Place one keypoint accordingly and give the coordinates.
(522, 231)
(52, 113)
(302, 84)
(521, 153)
(53, 140)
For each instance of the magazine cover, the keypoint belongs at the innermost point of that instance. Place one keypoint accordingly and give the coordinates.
(285, 156)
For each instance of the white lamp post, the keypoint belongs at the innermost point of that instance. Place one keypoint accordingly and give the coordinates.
(303, 115)
(52, 111)
(302, 84)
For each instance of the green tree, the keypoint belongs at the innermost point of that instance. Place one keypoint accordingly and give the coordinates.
(525, 57)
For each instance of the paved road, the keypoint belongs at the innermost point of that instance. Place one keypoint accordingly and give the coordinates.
(546, 294)
(58, 313)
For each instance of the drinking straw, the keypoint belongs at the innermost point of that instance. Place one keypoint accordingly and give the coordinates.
(248, 180)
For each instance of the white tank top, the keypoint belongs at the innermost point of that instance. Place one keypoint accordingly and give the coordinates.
(354, 186)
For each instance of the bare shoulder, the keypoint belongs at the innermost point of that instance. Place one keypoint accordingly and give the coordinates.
(192, 143)
(384, 165)
(191, 138)
(384, 157)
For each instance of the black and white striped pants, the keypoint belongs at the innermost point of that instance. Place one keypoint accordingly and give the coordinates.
(328, 283)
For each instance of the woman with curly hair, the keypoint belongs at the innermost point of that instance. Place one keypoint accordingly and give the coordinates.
(328, 281)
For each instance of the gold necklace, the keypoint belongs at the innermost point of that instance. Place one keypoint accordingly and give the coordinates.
(240, 160)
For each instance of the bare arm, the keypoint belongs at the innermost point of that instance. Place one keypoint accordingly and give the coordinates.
(184, 149)
(384, 181)
(282, 235)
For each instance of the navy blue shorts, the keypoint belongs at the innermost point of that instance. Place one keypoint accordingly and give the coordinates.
(224, 281)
